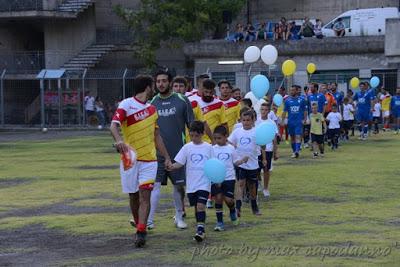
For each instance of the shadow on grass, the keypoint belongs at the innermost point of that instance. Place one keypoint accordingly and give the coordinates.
(15, 181)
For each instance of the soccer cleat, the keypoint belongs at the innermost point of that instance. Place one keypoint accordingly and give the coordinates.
(296, 155)
(257, 212)
(199, 236)
(219, 227)
(210, 204)
(140, 239)
(315, 155)
(266, 193)
(180, 224)
(150, 225)
(293, 155)
(132, 223)
(234, 218)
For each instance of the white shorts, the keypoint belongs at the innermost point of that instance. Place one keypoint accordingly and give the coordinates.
(386, 113)
(141, 173)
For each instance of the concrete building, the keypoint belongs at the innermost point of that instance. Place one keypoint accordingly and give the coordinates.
(87, 34)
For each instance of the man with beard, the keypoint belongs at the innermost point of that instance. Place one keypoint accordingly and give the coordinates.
(174, 114)
(295, 108)
(213, 109)
(138, 121)
(365, 103)
(232, 106)
(180, 85)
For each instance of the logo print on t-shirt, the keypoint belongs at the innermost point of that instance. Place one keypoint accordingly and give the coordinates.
(196, 158)
(223, 156)
(245, 140)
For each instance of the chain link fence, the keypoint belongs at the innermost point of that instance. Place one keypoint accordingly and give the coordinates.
(28, 101)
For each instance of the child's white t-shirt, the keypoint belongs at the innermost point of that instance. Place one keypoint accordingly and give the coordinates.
(269, 147)
(272, 116)
(347, 112)
(228, 155)
(377, 110)
(236, 126)
(194, 157)
(334, 119)
(245, 142)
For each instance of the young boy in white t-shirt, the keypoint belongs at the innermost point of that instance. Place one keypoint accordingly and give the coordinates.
(225, 192)
(271, 150)
(376, 114)
(334, 118)
(194, 155)
(348, 117)
(244, 139)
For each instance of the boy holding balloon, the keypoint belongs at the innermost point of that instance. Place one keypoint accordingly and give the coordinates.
(224, 192)
(244, 139)
(194, 155)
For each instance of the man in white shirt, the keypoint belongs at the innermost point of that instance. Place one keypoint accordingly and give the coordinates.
(89, 106)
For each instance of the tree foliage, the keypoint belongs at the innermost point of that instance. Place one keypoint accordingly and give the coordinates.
(172, 22)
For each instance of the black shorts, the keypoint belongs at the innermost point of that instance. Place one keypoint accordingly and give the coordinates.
(200, 196)
(227, 188)
(248, 175)
(177, 177)
(269, 155)
(318, 138)
(333, 132)
(347, 125)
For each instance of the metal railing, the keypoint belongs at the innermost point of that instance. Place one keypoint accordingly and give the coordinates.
(22, 60)
(20, 5)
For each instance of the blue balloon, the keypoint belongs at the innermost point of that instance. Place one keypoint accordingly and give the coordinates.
(265, 133)
(278, 100)
(259, 85)
(374, 82)
(215, 170)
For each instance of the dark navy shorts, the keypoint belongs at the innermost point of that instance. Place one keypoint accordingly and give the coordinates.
(248, 175)
(200, 196)
(227, 188)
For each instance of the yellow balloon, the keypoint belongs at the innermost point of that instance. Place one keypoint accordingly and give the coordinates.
(311, 68)
(354, 82)
(288, 67)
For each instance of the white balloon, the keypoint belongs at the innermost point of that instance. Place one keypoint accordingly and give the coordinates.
(252, 54)
(269, 54)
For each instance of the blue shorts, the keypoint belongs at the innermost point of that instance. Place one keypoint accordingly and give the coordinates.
(364, 116)
(295, 129)
(396, 115)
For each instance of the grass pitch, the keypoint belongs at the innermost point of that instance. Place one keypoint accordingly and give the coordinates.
(61, 204)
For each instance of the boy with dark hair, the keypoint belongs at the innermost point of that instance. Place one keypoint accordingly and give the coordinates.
(318, 126)
(194, 155)
(334, 118)
(244, 141)
(225, 191)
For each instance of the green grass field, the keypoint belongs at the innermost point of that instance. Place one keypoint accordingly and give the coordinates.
(61, 204)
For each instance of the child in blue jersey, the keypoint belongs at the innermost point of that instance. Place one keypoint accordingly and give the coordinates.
(295, 108)
(395, 108)
(364, 101)
(225, 191)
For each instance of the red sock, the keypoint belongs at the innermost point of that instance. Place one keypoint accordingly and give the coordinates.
(141, 227)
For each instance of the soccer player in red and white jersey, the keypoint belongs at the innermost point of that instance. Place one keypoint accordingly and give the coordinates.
(232, 106)
(138, 122)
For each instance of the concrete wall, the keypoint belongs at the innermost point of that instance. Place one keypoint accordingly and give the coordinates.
(325, 10)
(392, 38)
(105, 15)
(20, 37)
(65, 39)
